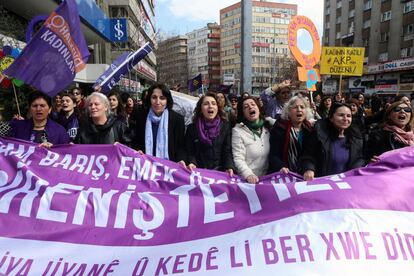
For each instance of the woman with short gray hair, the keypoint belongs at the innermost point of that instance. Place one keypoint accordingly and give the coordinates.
(287, 135)
(101, 127)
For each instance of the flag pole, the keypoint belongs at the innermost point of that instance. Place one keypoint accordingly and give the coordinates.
(17, 100)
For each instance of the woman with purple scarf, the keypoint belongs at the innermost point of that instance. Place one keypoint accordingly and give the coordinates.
(208, 138)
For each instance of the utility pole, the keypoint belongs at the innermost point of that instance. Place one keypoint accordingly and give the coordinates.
(246, 45)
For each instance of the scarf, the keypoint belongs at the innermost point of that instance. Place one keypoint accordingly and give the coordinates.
(161, 143)
(404, 137)
(208, 131)
(255, 127)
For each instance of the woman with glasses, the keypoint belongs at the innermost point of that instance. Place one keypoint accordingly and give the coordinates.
(288, 134)
(208, 138)
(396, 131)
(334, 146)
(39, 129)
(101, 127)
(160, 130)
(250, 141)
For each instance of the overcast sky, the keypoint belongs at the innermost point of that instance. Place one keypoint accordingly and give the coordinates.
(181, 16)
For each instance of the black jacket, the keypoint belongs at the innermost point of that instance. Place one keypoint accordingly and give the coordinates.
(112, 131)
(218, 156)
(317, 150)
(176, 130)
(380, 141)
(279, 146)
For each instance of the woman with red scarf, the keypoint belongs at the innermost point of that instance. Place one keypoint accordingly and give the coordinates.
(288, 134)
(396, 131)
(208, 138)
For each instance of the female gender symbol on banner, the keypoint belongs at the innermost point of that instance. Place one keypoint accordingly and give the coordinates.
(306, 71)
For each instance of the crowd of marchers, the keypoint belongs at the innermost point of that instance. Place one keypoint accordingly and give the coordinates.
(279, 131)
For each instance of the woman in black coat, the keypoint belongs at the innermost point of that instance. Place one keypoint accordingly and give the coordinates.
(395, 132)
(101, 127)
(334, 146)
(159, 130)
(208, 138)
(288, 134)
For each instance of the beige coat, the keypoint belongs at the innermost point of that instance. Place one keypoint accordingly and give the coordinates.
(250, 153)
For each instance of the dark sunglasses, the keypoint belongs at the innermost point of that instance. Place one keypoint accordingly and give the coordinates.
(399, 108)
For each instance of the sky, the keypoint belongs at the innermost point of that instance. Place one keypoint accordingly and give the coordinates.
(174, 17)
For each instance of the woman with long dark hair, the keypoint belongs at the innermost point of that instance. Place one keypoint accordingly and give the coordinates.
(160, 130)
(334, 146)
(324, 107)
(208, 138)
(117, 108)
(250, 140)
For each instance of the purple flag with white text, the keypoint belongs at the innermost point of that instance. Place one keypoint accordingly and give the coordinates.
(58, 51)
(120, 67)
(95, 210)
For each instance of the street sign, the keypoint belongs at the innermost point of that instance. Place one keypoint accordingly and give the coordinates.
(345, 61)
(228, 79)
(118, 29)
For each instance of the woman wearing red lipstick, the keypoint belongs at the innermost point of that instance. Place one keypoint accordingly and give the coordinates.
(250, 141)
(208, 138)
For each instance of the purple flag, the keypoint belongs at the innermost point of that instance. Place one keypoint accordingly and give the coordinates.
(87, 209)
(55, 54)
(122, 65)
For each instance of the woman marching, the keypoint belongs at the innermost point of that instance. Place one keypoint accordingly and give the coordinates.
(101, 127)
(334, 146)
(159, 130)
(288, 134)
(396, 131)
(250, 141)
(68, 115)
(208, 138)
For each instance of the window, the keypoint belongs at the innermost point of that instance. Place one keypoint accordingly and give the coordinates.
(386, 16)
(406, 52)
(338, 20)
(408, 29)
(365, 42)
(367, 5)
(384, 36)
(339, 4)
(338, 35)
(383, 56)
(366, 24)
(408, 7)
(351, 13)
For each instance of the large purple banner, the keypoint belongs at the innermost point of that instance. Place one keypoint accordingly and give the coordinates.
(158, 218)
(55, 54)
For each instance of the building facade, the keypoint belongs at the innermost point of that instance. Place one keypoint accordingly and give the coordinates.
(204, 55)
(270, 52)
(385, 29)
(172, 62)
(140, 17)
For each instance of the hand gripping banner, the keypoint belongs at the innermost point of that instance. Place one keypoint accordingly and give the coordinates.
(107, 210)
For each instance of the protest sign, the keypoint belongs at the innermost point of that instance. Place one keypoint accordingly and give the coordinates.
(306, 71)
(83, 210)
(346, 61)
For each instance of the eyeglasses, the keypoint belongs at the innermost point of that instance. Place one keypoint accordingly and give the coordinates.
(76, 93)
(399, 108)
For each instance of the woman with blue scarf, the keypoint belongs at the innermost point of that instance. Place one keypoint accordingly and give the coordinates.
(160, 130)
(208, 138)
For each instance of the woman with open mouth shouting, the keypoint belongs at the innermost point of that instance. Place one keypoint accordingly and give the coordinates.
(288, 134)
(250, 141)
(208, 138)
(396, 131)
